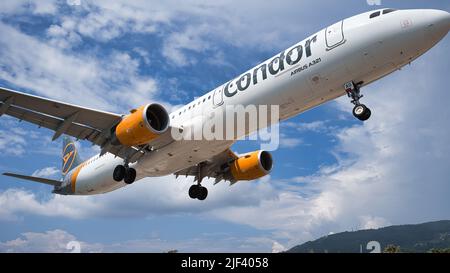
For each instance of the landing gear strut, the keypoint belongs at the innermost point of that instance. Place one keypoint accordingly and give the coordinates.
(125, 173)
(360, 111)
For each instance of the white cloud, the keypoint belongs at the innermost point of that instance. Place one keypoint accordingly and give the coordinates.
(11, 144)
(13, 139)
(318, 126)
(17, 141)
(48, 172)
(15, 201)
(35, 7)
(73, 78)
(62, 37)
(52, 241)
(203, 242)
(277, 247)
(370, 222)
(289, 142)
(190, 39)
(44, 7)
(163, 195)
(60, 241)
(185, 27)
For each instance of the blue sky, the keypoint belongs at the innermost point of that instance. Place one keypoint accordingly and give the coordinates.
(331, 174)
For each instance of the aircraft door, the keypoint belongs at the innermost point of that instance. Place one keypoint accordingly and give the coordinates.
(218, 96)
(334, 35)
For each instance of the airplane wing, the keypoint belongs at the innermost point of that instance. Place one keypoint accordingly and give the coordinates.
(35, 179)
(216, 168)
(63, 118)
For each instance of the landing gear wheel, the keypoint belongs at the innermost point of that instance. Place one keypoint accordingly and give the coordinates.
(119, 173)
(361, 112)
(198, 192)
(130, 176)
(193, 191)
(202, 194)
(368, 113)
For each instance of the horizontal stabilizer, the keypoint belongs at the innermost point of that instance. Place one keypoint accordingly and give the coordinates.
(35, 179)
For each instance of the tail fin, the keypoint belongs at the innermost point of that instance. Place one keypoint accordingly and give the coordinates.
(70, 157)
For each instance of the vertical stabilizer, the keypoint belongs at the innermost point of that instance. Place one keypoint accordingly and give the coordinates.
(70, 156)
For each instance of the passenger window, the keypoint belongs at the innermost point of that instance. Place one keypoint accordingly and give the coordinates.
(375, 14)
(386, 11)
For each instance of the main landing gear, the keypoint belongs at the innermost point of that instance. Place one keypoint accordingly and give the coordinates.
(360, 111)
(197, 191)
(125, 173)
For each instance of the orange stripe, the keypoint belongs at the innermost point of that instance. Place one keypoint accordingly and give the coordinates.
(73, 178)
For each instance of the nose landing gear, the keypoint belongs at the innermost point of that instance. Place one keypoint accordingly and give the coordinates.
(360, 111)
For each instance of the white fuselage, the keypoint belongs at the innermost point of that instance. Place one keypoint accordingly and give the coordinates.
(358, 49)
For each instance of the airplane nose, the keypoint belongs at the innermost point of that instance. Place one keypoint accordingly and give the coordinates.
(440, 19)
(438, 22)
(447, 21)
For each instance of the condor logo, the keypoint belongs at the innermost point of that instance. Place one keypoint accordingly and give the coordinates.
(68, 158)
(274, 66)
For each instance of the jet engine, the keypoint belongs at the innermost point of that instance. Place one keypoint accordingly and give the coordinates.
(141, 126)
(251, 166)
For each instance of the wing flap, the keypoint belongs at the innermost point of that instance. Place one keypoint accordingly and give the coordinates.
(211, 168)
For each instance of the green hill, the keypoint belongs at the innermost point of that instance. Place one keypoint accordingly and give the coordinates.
(410, 238)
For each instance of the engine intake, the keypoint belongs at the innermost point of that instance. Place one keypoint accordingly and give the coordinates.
(251, 166)
(141, 126)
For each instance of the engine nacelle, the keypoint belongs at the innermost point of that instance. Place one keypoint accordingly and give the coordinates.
(141, 126)
(251, 166)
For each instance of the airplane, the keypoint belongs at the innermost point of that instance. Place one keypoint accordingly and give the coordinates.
(338, 60)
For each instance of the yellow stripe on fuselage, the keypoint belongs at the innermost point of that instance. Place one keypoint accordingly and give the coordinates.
(73, 177)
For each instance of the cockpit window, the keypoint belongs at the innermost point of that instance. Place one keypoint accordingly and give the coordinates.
(386, 11)
(375, 14)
